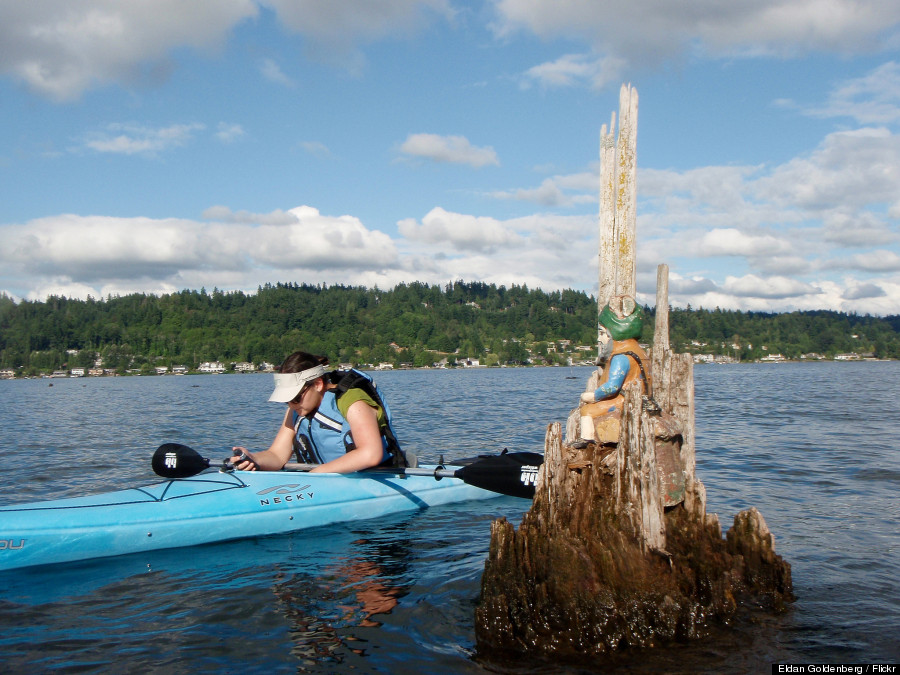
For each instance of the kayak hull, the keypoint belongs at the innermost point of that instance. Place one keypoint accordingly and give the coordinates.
(208, 508)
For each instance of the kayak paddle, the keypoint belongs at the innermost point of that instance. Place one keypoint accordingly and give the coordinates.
(509, 473)
(173, 460)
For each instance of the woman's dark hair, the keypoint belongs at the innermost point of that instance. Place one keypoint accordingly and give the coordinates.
(300, 361)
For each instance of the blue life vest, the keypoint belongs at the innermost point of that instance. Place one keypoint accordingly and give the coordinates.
(326, 436)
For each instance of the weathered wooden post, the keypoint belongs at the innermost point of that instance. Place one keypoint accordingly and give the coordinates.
(617, 549)
(618, 196)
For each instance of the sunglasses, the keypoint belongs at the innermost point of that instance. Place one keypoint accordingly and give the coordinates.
(299, 396)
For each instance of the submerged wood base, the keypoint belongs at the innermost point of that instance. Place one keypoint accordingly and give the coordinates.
(598, 566)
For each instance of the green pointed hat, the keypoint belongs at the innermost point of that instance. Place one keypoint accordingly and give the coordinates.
(622, 328)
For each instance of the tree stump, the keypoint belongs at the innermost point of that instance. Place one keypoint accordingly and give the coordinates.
(617, 549)
(598, 564)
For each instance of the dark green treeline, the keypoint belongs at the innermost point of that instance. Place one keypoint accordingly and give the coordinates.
(412, 323)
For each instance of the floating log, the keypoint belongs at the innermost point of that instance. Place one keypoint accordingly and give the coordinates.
(617, 550)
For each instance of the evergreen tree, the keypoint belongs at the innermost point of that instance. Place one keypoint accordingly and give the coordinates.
(494, 324)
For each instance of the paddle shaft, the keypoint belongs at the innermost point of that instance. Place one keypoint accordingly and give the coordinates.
(512, 474)
(438, 472)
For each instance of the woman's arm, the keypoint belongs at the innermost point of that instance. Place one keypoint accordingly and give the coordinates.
(369, 449)
(277, 455)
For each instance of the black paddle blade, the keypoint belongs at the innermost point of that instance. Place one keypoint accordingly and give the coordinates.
(173, 460)
(511, 473)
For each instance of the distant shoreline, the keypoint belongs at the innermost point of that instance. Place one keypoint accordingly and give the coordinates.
(454, 368)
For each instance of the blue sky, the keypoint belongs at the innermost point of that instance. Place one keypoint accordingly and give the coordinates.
(157, 145)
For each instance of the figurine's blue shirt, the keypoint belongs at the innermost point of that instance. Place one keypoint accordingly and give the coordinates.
(619, 366)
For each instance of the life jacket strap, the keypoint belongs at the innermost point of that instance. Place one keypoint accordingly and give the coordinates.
(649, 403)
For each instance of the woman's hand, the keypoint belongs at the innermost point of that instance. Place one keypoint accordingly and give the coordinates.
(243, 459)
(267, 460)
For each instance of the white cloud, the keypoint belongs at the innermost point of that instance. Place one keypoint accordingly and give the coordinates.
(857, 228)
(545, 251)
(87, 248)
(344, 19)
(876, 261)
(84, 255)
(871, 99)
(131, 138)
(775, 233)
(91, 252)
(273, 73)
(796, 264)
(321, 242)
(556, 191)
(754, 293)
(864, 292)
(229, 133)
(460, 231)
(716, 187)
(316, 148)
(451, 149)
(681, 287)
(226, 215)
(61, 48)
(731, 242)
(576, 70)
(646, 32)
(135, 139)
(79, 256)
(336, 29)
(849, 168)
(547, 194)
(791, 221)
(779, 288)
(852, 295)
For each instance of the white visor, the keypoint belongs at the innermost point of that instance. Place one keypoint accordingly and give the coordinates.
(288, 385)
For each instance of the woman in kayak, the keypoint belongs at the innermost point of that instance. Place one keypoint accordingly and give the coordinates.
(334, 419)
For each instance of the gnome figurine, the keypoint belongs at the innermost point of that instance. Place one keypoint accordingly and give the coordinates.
(621, 360)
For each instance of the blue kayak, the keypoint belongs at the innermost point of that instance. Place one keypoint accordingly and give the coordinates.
(211, 507)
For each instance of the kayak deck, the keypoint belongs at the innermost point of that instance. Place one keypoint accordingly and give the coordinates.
(208, 508)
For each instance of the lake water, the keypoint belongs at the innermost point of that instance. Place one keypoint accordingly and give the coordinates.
(813, 446)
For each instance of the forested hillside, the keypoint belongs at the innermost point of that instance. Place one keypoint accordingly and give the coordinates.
(414, 324)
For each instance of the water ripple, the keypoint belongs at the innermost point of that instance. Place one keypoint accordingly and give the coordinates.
(810, 445)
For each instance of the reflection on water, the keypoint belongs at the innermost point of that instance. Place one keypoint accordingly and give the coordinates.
(351, 592)
(811, 445)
